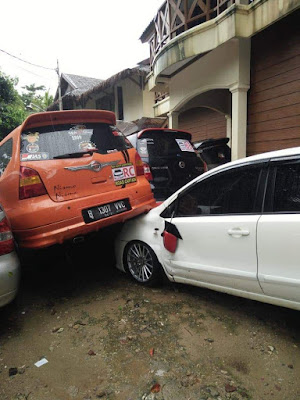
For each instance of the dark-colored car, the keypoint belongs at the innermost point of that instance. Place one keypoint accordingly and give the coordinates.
(169, 157)
(213, 152)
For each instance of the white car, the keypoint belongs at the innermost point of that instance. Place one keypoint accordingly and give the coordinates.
(234, 229)
(9, 263)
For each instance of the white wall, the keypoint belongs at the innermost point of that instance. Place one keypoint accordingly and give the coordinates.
(132, 99)
(222, 68)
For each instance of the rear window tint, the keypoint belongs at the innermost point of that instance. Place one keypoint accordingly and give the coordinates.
(50, 142)
(159, 144)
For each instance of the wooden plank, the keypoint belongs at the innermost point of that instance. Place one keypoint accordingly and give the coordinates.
(257, 148)
(273, 103)
(274, 114)
(269, 56)
(282, 90)
(288, 122)
(274, 77)
(282, 134)
(203, 123)
(278, 42)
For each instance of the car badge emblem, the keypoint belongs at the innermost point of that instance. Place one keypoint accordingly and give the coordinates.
(95, 166)
(181, 164)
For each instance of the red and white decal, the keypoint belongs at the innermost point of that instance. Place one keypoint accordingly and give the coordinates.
(124, 173)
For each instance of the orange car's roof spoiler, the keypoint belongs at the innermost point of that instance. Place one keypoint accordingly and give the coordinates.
(70, 116)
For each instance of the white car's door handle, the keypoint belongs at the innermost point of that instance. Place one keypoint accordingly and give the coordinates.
(238, 232)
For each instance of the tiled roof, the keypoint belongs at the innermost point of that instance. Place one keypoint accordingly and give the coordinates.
(80, 84)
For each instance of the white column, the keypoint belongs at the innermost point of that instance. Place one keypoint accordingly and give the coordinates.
(239, 122)
(228, 128)
(173, 119)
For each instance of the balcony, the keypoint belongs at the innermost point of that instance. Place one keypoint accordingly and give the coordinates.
(177, 16)
(184, 31)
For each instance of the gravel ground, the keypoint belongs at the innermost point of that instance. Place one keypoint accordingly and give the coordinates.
(106, 337)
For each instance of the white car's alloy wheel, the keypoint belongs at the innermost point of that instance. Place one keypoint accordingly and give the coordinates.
(141, 262)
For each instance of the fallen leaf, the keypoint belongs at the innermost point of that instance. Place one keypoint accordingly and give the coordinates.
(151, 352)
(229, 388)
(155, 388)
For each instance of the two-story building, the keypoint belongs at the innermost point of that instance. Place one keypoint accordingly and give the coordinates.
(228, 68)
(217, 68)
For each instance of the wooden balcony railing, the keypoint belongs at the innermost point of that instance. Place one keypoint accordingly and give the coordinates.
(159, 96)
(177, 16)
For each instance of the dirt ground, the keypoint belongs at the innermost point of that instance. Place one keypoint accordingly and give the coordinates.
(106, 337)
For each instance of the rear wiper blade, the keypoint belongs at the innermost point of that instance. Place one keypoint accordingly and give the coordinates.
(76, 155)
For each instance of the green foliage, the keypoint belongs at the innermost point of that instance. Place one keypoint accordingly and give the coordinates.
(15, 107)
(35, 102)
(12, 110)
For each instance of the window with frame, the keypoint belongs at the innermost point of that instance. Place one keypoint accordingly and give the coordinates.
(120, 103)
(286, 197)
(229, 192)
(5, 155)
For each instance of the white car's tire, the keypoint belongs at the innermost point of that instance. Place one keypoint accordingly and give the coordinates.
(141, 263)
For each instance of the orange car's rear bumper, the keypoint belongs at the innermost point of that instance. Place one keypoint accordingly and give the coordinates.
(61, 231)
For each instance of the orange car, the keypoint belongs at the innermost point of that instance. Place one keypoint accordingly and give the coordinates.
(64, 174)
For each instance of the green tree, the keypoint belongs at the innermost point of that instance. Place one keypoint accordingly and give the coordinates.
(35, 102)
(12, 110)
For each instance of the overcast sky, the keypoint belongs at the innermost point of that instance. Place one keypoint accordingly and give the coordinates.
(95, 38)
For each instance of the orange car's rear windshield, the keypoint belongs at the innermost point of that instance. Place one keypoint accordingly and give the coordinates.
(59, 141)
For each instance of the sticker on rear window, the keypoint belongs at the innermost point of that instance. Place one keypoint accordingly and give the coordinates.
(143, 147)
(80, 132)
(84, 146)
(124, 173)
(32, 148)
(32, 138)
(34, 156)
(185, 145)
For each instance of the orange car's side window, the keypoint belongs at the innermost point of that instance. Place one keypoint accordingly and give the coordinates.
(5, 155)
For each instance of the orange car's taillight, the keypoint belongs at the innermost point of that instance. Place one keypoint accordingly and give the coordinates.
(139, 165)
(6, 238)
(30, 184)
(147, 172)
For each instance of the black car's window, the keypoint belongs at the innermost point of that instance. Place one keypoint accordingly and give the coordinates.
(5, 155)
(161, 144)
(49, 142)
(229, 192)
(287, 188)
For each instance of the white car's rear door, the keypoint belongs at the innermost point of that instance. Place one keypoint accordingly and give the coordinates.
(278, 235)
(219, 250)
